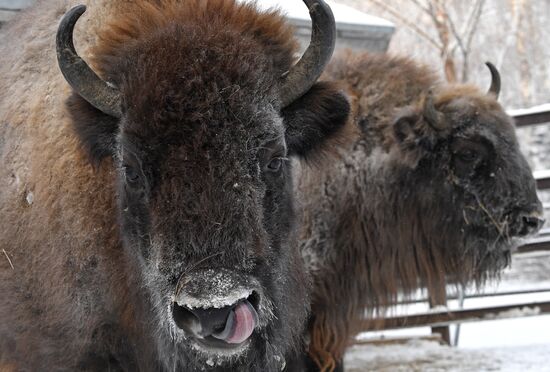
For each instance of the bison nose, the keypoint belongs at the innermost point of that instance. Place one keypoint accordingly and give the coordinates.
(218, 307)
(232, 324)
(531, 223)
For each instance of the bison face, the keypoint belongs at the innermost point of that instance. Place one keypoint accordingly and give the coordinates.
(200, 126)
(207, 213)
(476, 191)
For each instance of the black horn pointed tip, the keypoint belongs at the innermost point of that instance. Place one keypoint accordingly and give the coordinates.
(66, 26)
(73, 14)
(76, 71)
(78, 9)
(490, 65)
(309, 68)
(495, 80)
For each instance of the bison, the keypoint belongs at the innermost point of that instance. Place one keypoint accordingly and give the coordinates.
(146, 207)
(428, 186)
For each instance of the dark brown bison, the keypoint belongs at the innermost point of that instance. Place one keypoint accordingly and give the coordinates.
(431, 187)
(146, 217)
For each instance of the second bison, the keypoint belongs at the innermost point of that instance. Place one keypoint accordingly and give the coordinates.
(428, 186)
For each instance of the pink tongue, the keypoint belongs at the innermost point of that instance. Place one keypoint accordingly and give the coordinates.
(243, 324)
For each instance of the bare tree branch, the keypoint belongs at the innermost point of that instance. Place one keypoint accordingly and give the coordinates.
(472, 22)
(437, 14)
(458, 38)
(421, 6)
(381, 4)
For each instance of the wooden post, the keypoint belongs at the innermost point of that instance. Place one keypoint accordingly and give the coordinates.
(438, 297)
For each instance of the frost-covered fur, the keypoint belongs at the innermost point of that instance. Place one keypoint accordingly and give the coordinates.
(402, 205)
(102, 218)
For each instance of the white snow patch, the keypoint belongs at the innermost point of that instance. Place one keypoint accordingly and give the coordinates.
(216, 302)
(544, 173)
(218, 288)
(30, 198)
(531, 110)
(439, 309)
(514, 313)
(430, 356)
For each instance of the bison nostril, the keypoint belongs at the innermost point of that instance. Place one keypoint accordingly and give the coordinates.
(186, 320)
(531, 224)
(254, 300)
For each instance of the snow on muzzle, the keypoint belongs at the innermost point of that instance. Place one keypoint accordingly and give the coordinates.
(219, 308)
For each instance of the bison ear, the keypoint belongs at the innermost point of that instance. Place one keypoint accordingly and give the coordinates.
(414, 138)
(314, 117)
(403, 127)
(411, 129)
(95, 130)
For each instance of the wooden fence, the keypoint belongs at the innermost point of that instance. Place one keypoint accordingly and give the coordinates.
(439, 320)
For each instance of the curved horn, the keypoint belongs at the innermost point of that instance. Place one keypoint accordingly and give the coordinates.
(434, 118)
(78, 74)
(305, 73)
(495, 80)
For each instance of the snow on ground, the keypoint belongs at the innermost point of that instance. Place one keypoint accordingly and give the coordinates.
(508, 345)
(430, 356)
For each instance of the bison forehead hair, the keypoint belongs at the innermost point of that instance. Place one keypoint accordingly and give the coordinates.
(200, 66)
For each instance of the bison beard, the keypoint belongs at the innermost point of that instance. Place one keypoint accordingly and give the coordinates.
(161, 231)
(431, 188)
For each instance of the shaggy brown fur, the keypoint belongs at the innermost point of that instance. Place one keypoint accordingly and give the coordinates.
(90, 282)
(397, 208)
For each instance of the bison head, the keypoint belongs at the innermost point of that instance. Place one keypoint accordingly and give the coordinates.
(475, 192)
(200, 117)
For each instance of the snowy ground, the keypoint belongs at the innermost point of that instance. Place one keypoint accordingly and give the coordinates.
(430, 356)
(512, 345)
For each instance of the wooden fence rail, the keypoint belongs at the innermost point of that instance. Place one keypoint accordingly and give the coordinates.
(445, 318)
(543, 179)
(454, 296)
(532, 118)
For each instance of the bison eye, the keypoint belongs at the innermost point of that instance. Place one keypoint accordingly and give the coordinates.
(131, 175)
(471, 156)
(275, 164)
(468, 155)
